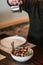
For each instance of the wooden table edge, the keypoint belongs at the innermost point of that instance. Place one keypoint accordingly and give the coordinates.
(14, 22)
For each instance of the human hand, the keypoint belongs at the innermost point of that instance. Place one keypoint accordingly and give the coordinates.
(14, 2)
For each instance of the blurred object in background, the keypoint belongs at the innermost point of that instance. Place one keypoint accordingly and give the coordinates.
(15, 7)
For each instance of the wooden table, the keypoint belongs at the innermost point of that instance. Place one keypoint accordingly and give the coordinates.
(10, 18)
(36, 60)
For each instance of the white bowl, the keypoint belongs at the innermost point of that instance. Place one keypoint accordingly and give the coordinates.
(18, 40)
(22, 59)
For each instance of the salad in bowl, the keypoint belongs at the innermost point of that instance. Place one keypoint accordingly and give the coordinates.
(22, 54)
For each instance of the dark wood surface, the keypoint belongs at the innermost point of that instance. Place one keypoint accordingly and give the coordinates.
(37, 58)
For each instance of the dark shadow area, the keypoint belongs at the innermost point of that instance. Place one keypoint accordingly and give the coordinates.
(3, 36)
